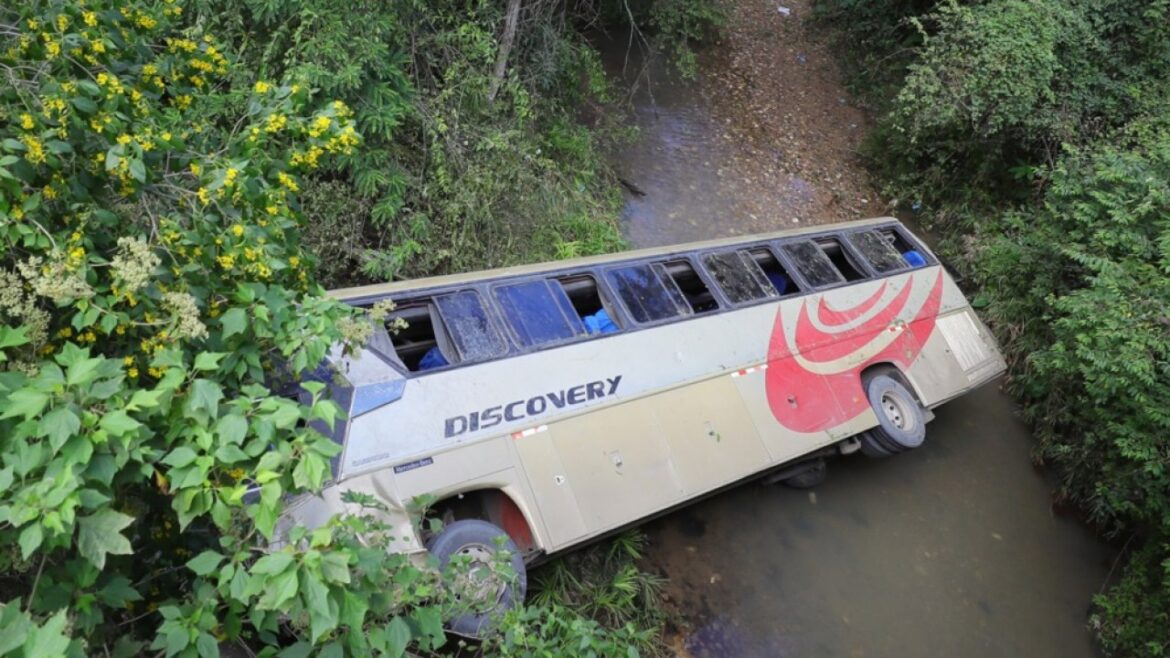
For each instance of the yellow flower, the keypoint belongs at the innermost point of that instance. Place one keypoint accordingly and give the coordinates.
(203, 198)
(120, 330)
(98, 46)
(237, 230)
(262, 87)
(26, 122)
(36, 150)
(226, 262)
(294, 261)
(53, 49)
(272, 210)
(123, 139)
(229, 177)
(195, 168)
(90, 18)
(62, 22)
(275, 123)
(287, 181)
(65, 333)
(133, 372)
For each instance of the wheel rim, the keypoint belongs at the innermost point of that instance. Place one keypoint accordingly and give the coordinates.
(895, 412)
(480, 584)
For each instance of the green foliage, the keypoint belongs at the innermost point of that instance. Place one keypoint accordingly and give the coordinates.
(153, 288)
(683, 25)
(447, 180)
(1043, 126)
(604, 584)
(1133, 618)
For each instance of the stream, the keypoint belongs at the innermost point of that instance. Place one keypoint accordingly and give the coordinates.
(952, 549)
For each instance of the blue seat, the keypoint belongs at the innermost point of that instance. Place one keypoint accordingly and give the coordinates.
(914, 258)
(432, 358)
(599, 323)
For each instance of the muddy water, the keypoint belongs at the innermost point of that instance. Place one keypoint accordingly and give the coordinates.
(949, 550)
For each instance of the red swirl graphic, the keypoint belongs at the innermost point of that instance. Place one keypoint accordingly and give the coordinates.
(806, 401)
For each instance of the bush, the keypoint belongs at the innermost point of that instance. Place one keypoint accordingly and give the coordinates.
(153, 289)
(449, 179)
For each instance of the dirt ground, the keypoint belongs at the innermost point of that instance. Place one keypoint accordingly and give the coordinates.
(778, 88)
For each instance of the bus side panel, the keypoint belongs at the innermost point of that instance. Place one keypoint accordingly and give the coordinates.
(552, 491)
(711, 436)
(781, 442)
(618, 463)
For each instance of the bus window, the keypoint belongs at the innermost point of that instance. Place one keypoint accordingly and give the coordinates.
(648, 292)
(418, 345)
(738, 276)
(812, 263)
(586, 299)
(913, 256)
(774, 271)
(467, 322)
(879, 250)
(694, 290)
(538, 312)
(840, 258)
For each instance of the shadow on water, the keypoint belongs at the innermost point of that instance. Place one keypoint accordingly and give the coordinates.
(948, 550)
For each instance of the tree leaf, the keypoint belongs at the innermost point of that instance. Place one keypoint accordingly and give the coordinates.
(398, 637)
(118, 423)
(233, 320)
(30, 539)
(58, 425)
(204, 563)
(209, 360)
(206, 645)
(232, 429)
(24, 402)
(203, 400)
(101, 534)
(49, 640)
(180, 457)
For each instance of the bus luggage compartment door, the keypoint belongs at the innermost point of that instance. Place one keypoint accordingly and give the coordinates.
(618, 464)
(712, 438)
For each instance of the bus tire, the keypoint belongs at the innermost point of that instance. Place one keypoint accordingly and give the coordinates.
(810, 477)
(901, 423)
(871, 447)
(479, 541)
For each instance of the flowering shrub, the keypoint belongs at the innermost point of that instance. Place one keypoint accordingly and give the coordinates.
(151, 283)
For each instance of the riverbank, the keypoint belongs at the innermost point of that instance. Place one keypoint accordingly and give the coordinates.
(765, 138)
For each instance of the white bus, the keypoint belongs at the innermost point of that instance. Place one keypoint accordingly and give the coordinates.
(552, 404)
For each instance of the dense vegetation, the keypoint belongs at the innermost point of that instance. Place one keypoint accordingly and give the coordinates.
(1036, 135)
(176, 181)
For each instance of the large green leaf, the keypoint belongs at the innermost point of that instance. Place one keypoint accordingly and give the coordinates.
(101, 534)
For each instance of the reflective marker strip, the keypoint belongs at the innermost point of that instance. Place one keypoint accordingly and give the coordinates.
(748, 371)
(529, 432)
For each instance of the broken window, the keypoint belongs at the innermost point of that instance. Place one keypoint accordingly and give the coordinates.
(648, 292)
(588, 303)
(692, 286)
(468, 324)
(879, 250)
(841, 259)
(812, 263)
(538, 312)
(421, 344)
(739, 276)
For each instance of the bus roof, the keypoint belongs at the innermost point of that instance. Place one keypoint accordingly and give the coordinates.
(378, 289)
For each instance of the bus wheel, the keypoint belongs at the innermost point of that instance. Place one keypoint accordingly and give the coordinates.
(479, 587)
(871, 447)
(901, 423)
(808, 478)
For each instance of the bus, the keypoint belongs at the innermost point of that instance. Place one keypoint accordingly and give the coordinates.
(544, 406)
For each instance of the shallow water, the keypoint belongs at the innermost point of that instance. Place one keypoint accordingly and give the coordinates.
(949, 550)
